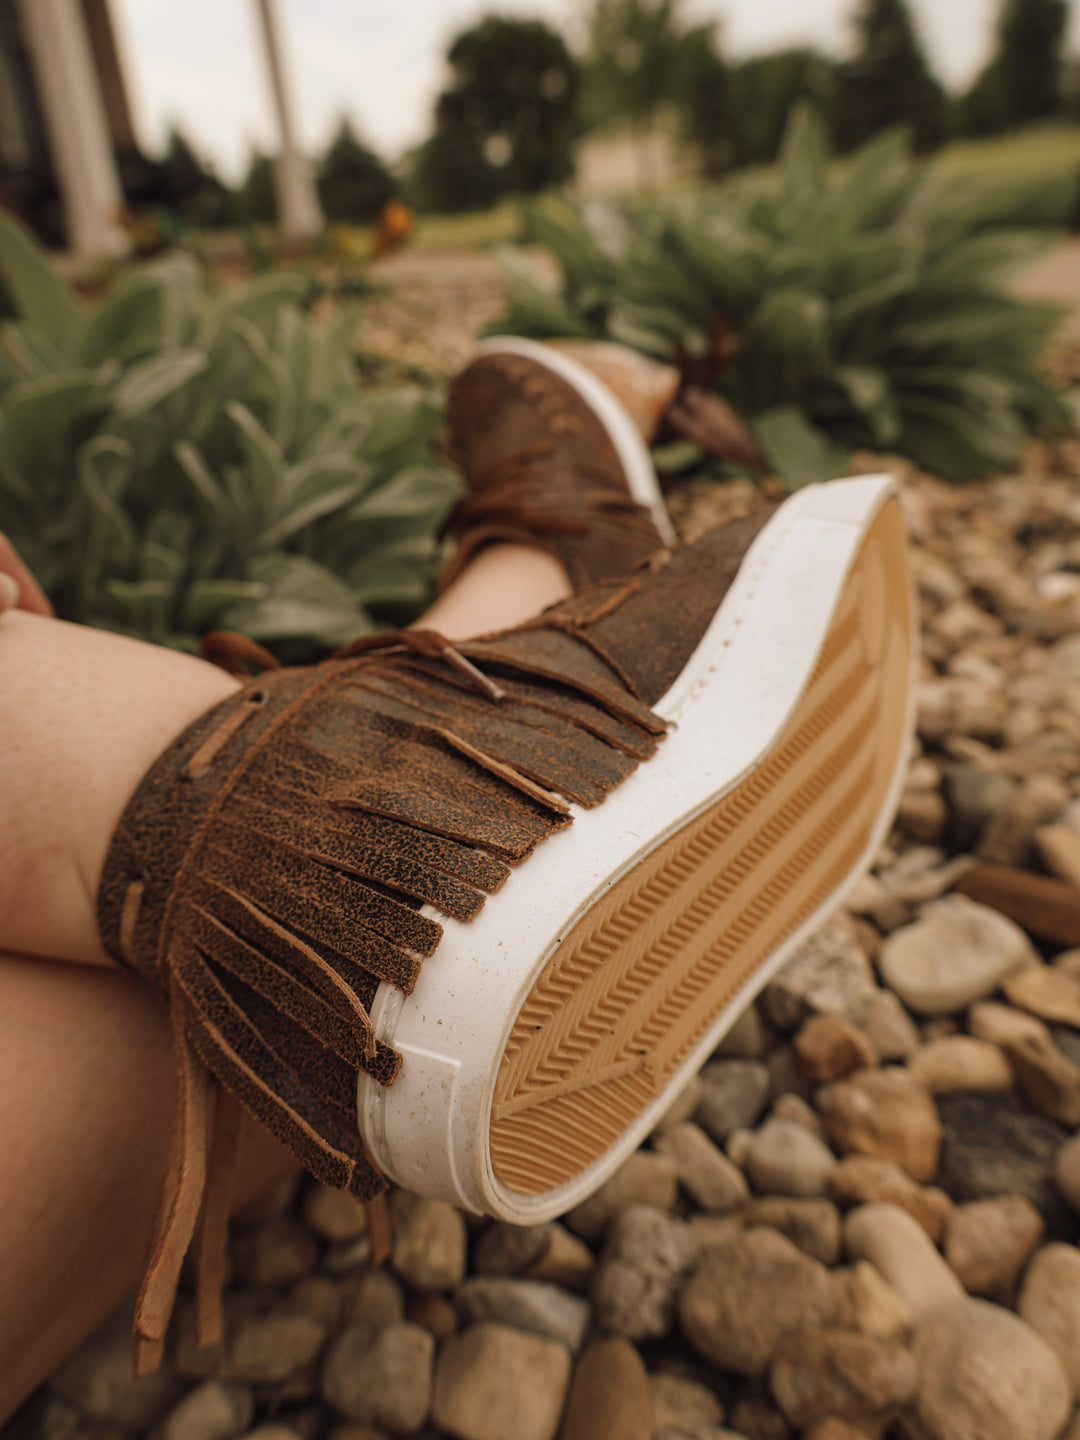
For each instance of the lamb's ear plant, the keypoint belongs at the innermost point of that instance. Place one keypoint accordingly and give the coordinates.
(173, 461)
(835, 307)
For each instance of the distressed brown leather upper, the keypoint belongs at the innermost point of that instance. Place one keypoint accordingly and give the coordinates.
(270, 870)
(541, 470)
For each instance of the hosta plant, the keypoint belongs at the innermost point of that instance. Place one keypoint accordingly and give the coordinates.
(834, 308)
(173, 461)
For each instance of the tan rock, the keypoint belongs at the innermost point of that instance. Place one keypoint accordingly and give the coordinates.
(428, 1241)
(785, 1158)
(866, 1302)
(812, 1224)
(434, 1312)
(1003, 1025)
(567, 1261)
(644, 1179)
(1048, 1080)
(893, 1241)
(1059, 849)
(885, 1113)
(1051, 993)
(1050, 1303)
(868, 1179)
(682, 1406)
(821, 1373)
(1067, 1172)
(381, 1377)
(986, 1375)
(833, 1429)
(333, 1214)
(705, 1172)
(743, 1298)
(959, 1064)
(829, 1047)
(988, 1242)
(496, 1383)
(609, 1396)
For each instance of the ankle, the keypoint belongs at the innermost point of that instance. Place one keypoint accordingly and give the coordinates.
(502, 585)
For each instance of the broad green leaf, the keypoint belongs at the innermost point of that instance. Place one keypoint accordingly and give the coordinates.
(149, 383)
(798, 452)
(40, 423)
(43, 300)
(804, 157)
(303, 600)
(264, 471)
(208, 600)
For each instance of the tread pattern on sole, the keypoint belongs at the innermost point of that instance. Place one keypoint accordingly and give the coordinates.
(653, 965)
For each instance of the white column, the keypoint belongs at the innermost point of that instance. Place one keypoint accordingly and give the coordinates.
(299, 212)
(75, 118)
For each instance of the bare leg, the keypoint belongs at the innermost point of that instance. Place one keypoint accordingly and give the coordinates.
(86, 1065)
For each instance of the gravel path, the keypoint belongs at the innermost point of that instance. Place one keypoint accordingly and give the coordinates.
(861, 1220)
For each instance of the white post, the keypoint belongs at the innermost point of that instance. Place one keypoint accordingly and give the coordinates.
(75, 119)
(299, 212)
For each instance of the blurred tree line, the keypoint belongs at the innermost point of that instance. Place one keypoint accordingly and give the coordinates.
(519, 98)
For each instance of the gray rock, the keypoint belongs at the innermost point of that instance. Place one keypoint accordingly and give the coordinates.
(381, 1377)
(274, 1254)
(212, 1411)
(705, 1172)
(527, 1305)
(272, 1346)
(972, 797)
(828, 975)
(333, 1215)
(733, 1095)
(744, 1297)
(505, 1249)
(1050, 1303)
(787, 1159)
(372, 1298)
(496, 1383)
(817, 1373)
(429, 1241)
(886, 1024)
(748, 1039)
(991, 1148)
(986, 1375)
(98, 1379)
(643, 1265)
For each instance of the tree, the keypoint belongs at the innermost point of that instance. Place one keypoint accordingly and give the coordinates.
(451, 173)
(513, 93)
(1023, 83)
(762, 93)
(192, 189)
(706, 99)
(353, 182)
(634, 57)
(888, 82)
(258, 194)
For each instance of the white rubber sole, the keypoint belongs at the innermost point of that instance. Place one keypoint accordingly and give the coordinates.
(629, 446)
(546, 1038)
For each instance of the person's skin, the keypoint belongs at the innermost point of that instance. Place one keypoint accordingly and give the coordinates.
(87, 1082)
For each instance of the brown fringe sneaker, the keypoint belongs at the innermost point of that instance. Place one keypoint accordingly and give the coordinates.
(304, 872)
(550, 459)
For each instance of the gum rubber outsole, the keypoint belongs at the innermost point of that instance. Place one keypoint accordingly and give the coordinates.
(659, 960)
(547, 1036)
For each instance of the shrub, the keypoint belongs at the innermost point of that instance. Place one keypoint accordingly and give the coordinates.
(834, 309)
(172, 462)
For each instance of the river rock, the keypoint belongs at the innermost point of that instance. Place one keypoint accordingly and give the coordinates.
(212, 1411)
(429, 1241)
(1046, 908)
(886, 1024)
(645, 1260)
(706, 1173)
(333, 1215)
(991, 1148)
(957, 952)
(1050, 1303)
(733, 1095)
(988, 1242)
(884, 1113)
(828, 1047)
(812, 1224)
(785, 1158)
(834, 1429)
(1067, 1172)
(827, 975)
(98, 1379)
(683, 1407)
(609, 1394)
(817, 1373)
(567, 1262)
(986, 1375)
(526, 1304)
(505, 1249)
(868, 1304)
(1059, 848)
(961, 1064)
(1048, 992)
(381, 1377)
(643, 1179)
(893, 1241)
(868, 1179)
(745, 1296)
(372, 1298)
(275, 1254)
(493, 1382)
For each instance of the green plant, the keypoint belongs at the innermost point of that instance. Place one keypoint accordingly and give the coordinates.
(834, 308)
(172, 462)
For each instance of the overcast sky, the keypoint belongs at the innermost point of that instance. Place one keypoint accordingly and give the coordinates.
(197, 63)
